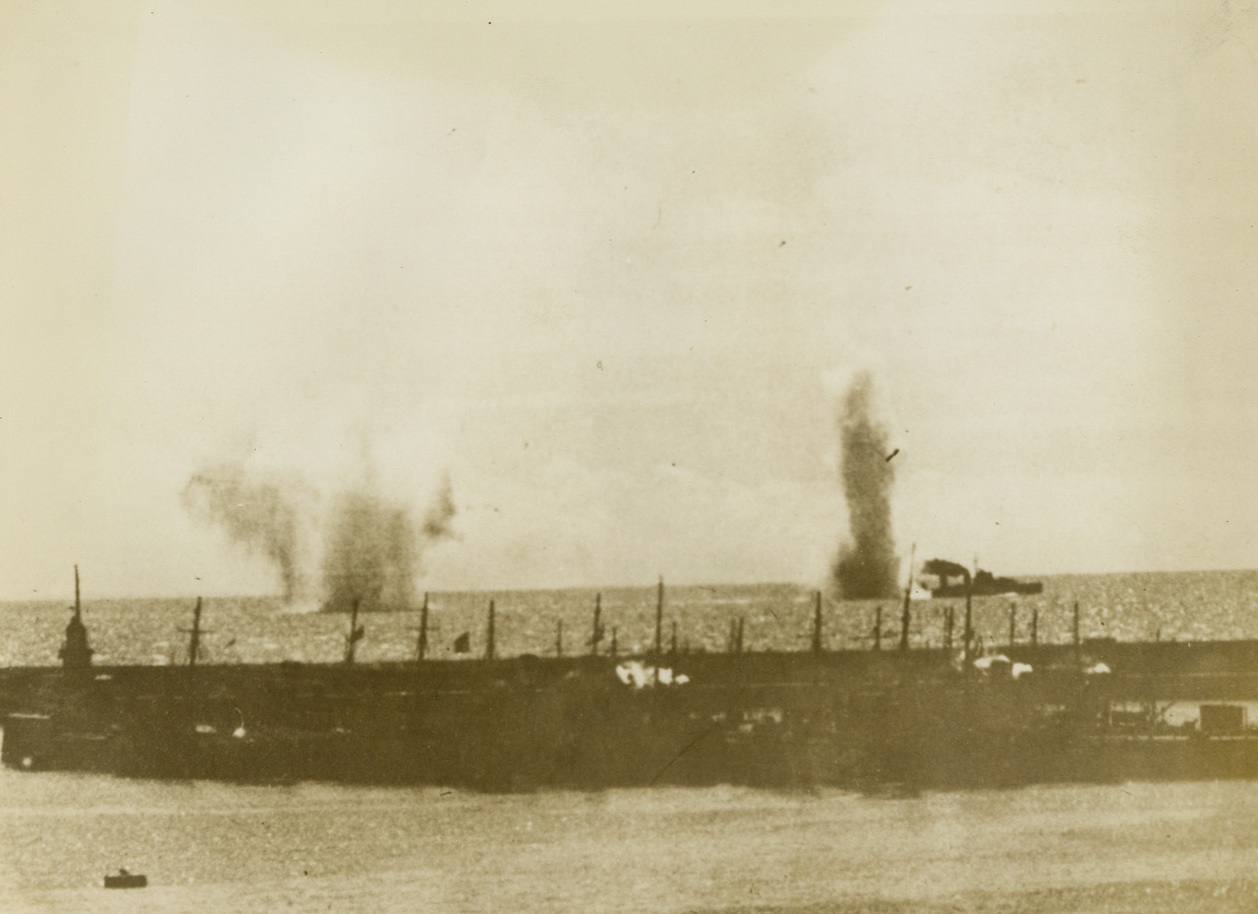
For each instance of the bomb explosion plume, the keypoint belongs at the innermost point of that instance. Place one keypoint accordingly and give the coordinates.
(866, 566)
(440, 513)
(373, 550)
(261, 516)
(371, 555)
(370, 545)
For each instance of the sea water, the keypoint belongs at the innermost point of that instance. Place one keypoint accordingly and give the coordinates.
(210, 847)
(1172, 606)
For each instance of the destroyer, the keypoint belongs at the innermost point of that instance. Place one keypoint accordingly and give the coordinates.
(952, 580)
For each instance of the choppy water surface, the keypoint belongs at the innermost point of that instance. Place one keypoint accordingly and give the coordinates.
(222, 848)
(1183, 606)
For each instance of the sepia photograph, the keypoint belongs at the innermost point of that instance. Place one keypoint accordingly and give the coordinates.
(673, 457)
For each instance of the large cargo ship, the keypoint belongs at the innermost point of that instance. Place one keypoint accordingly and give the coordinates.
(1098, 710)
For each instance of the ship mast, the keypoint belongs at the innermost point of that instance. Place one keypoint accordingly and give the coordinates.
(817, 646)
(489, 634)
(75, 652)
(356, 632)
(968, 634)
(421, 648)
(194, 635)
(659, 628)
(597, 634)
(659, 618)
(905, 616)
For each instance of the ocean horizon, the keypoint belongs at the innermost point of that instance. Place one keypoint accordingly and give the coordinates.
(1183, 606)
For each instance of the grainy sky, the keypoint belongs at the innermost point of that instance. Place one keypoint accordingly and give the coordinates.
(610, 271)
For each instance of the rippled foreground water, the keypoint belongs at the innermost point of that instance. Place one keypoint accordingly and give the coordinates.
(210, 848)
(220, 848)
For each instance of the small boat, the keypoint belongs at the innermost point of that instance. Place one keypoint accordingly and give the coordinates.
(126, 880)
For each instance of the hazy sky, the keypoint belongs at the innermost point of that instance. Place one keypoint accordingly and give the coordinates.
(610, 274)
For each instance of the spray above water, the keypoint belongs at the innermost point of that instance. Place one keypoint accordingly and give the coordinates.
(355, 546)
(373, 551)
(866, 566)
(261, 515)
(437, 522)
(371, 555)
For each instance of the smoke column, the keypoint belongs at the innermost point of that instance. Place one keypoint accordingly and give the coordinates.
(370, 545)
(261, 516)
(440, 514)
(370, 555)
(373, 549)
(866, 566)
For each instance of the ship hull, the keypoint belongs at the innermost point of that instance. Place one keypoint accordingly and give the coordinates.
(791, 721)
(1007, 588)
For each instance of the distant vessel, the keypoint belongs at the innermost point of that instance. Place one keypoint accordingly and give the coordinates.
(954, 580)
(126, 880)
